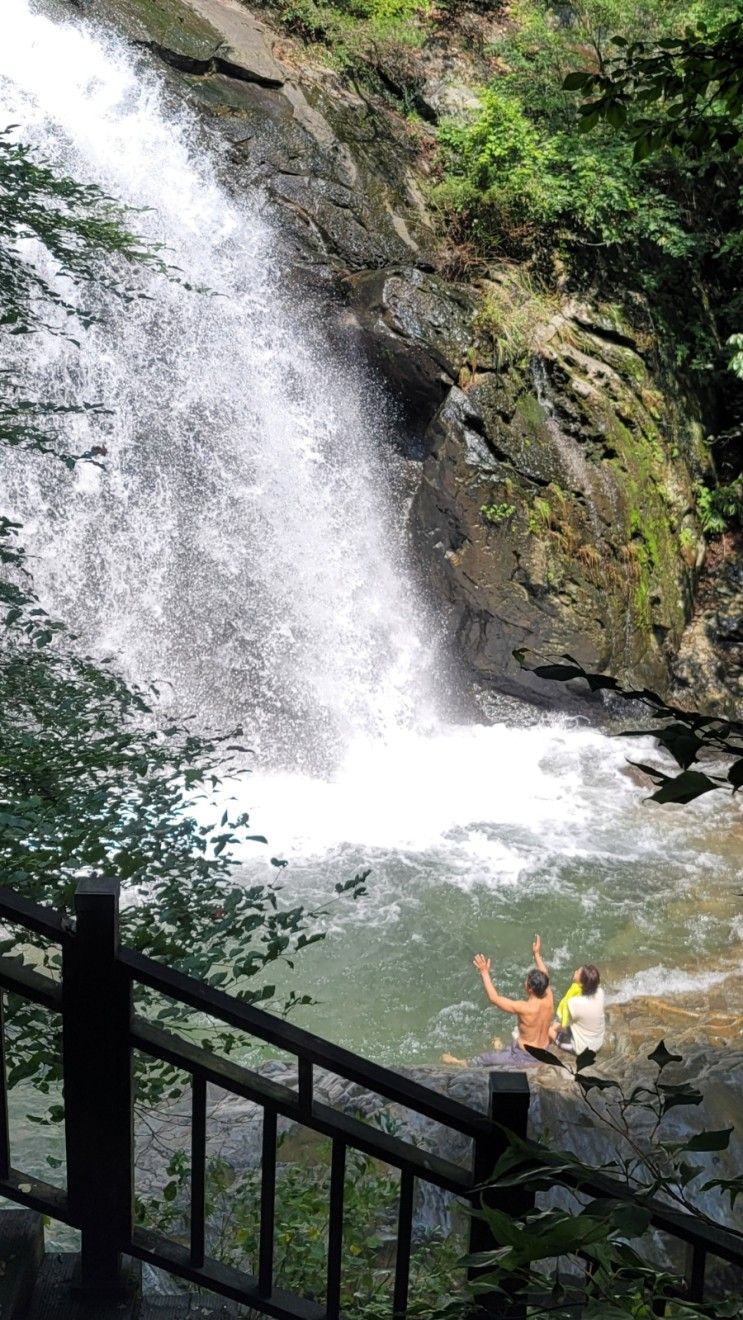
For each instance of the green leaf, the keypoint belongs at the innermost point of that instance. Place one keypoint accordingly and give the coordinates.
(559, 673)
(662, 1056)
(684, 788)
(588, 122)
(585, 1059)
(712, 1140)
(593, 1083)
(575, 82)
(642, 149)
(544, 1056)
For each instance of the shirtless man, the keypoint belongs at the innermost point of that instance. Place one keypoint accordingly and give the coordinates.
(534, 1015)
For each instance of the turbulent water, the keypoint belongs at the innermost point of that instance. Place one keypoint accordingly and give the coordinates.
(245, 547)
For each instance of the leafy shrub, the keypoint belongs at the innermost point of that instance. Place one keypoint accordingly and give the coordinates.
(519, 184)
(370, 1217)
(719, 506)
(497, 513)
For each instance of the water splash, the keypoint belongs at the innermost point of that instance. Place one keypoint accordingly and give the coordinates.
(243, 543)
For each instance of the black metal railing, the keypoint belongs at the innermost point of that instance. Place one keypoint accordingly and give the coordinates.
(100, 1033)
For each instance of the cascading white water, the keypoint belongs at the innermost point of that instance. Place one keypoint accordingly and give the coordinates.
(245, 543)
(242, 539)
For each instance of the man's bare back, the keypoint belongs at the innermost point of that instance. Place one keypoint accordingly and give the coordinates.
(534, 1017)
(533, 1014)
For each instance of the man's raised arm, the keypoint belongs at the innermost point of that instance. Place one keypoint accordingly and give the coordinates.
(539, 962)
(483, 966)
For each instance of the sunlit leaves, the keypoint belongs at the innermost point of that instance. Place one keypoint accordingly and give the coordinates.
(680, 92)
(649, 1176)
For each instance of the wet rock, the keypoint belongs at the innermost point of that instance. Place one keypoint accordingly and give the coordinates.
(415, 328)
(557, 510)
(708, 670)
(203, 36)
(337, 172)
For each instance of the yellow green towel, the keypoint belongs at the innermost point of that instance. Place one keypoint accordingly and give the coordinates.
(563, 1012)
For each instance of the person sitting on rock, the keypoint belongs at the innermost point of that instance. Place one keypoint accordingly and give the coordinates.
(533, 1015)
(581, 1022)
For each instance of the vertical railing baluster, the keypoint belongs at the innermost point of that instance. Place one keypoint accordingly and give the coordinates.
(404, 1237)
(696, 1260)
(198, 1168)
(4, 1129)
(509, 1109)
(268, 1202)
(304, 1079)
(335, 1230)
(99, 1109)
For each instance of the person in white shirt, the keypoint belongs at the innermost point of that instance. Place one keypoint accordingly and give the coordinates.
(587, 1026)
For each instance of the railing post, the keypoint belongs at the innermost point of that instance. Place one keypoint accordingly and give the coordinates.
(96, 1015)
(509, 1107)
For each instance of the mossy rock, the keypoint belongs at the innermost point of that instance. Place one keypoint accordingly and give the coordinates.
(588, 443)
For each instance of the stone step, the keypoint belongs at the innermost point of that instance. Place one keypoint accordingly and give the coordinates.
(21, 1252)
(55, 1297)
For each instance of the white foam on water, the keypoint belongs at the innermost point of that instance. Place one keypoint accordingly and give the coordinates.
(661, 981)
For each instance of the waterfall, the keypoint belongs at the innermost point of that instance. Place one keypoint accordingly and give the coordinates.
(245, 547)
(243, 543)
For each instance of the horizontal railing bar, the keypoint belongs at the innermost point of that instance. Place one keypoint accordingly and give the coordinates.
(37, 1195)
(36, 986)
(321, 1118)
(713, 1238)
(34, 916)
(275, 1031)
(240, 1287)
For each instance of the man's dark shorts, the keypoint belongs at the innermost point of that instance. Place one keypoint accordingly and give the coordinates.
(513, 1057)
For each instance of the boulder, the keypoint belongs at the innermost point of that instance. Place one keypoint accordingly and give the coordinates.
(708, 670)
(415, 328)
(557, 510)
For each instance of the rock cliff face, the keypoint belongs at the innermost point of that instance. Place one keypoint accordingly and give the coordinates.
(555, 506)
(558, 505)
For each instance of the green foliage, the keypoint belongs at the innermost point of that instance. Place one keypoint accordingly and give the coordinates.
(80, 230)
(497, 513)
(684, 91)
(524, 180)
(720, 506)
(370, 1219)
(522, 176)
(521, 185)
(358, 35)
(599, 1255)
(686, 735)
(514, 311)
(542, 515)
(735, 342)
